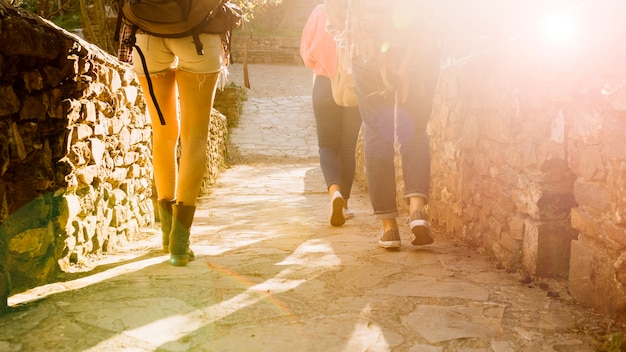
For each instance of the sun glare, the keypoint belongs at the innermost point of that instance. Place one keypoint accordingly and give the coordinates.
(559, 29)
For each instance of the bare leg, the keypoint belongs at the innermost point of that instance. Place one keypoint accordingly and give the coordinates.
(333, 188)
(164, 137)
(197, 93)
(389, 224)
(416, 203)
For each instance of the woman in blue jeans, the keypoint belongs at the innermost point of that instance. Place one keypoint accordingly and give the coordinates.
(395, 90)
(395, 56)
(337, 126)
(337, 133)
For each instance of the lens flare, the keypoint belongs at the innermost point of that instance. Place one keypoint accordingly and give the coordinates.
(559, 29)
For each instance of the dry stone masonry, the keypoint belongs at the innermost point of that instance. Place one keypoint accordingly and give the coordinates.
(265, 50)
(76, 169)
(529, 160)
(75, 146)
(528, 149)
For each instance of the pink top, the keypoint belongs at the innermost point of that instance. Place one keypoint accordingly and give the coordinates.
(317, 46)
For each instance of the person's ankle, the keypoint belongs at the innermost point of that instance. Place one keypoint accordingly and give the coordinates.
(332, 189)
(417, 203)
(389, 224)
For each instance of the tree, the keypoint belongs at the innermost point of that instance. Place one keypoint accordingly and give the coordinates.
(98, 20)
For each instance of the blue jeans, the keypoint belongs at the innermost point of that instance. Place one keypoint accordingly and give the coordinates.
(412, 116)
(337, 133)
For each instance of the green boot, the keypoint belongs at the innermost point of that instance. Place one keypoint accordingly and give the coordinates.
(165, 218)
(182, 218)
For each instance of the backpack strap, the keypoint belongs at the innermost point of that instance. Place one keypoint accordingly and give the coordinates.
(132, 41)
(197, 42)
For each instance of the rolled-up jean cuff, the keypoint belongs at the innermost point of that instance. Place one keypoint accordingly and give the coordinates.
(386, 215)
(415, 194)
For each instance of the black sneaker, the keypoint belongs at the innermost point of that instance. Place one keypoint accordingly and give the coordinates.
(389, 239)
(420, 229)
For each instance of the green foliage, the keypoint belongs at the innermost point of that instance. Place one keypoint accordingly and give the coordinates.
(614, 342)
(64, 13)
(250, 6)
(28, 5)
(68, 20)
(611, 338)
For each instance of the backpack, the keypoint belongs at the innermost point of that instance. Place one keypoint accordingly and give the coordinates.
(178, 19)
(394, 34)
(376, 25)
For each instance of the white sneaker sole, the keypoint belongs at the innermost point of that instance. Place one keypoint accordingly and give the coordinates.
(420, 233)
(336, 212)
(388, 244)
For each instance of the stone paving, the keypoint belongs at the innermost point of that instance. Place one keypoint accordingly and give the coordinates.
(272, 275)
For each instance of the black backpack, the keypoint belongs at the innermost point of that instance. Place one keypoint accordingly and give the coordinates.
(178, 19)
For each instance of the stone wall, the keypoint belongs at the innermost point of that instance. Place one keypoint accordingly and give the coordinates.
(279, 29)
(266, 50)
(76, 179)
(529, 160)
(288, 17)
(75, 146)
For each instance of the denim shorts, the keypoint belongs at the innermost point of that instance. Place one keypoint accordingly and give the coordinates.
(163, 54)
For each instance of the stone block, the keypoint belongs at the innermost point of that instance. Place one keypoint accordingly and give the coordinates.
(546, 247)
(616, 183)
(27, 40)
(497, 127)
(528, 156)
(593, 280)
(581, 273)
(530, 247)
(471, 131)
(31, 243)
(613, 131)
(33, 272)
(516, 227)
(592, 194)
(584, 222)
(526, 200)
(587, 162)
(616, 233)
(499, 196)
(33, 108)
(586, 125)
(509, 243)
